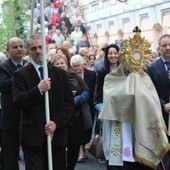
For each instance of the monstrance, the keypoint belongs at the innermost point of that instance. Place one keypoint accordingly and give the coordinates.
(135, 53)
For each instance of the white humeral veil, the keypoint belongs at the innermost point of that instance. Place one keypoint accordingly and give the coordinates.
(133, 100)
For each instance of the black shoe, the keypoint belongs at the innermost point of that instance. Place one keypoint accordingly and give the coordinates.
(85, 157)
(80, 160)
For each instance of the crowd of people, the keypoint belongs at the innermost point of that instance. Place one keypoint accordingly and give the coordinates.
(77, 74)
(63, 22)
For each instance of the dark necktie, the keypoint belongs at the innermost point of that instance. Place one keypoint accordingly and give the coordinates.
(167, 65)
(41, 72)
(168, 71)
(19, 66)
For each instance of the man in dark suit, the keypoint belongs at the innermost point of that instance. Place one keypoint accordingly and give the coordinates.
(158, 72)
(28, 91)
(10, 119)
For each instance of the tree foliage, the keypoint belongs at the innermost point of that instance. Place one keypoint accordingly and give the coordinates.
(13, 17)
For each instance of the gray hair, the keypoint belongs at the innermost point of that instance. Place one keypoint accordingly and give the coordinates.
(2, 57)
(154, 51)
(76, 59)
(163, 36)
(33, 37)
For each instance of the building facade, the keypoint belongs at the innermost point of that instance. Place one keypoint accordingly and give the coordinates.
(111, 20)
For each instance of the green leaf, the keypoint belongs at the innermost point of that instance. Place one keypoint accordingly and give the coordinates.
(13, 18)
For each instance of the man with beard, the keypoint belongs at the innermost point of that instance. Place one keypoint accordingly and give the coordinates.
(28, 91)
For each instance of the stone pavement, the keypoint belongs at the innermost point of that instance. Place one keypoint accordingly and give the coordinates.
(89, 164)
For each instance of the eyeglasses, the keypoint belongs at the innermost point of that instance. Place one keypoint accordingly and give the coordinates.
(34, 48)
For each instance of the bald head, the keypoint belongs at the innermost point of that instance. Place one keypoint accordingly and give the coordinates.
(15, 49)
(38, 5)
(10, 41)
(58, 32)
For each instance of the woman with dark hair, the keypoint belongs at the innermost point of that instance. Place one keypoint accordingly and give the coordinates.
(111, 62)
(92, 59)
(66, 34)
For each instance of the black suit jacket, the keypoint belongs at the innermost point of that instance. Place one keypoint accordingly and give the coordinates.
(100, 82)
(10, 118)
(159, 77)
(28, 98)
(90, 80)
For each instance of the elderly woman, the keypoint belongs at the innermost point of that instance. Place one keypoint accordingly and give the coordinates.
(89, 77)
(81, 93)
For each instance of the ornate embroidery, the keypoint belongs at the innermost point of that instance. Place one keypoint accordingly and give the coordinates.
(155, 127)
(115, 157)
(116, 150)
(117, 128)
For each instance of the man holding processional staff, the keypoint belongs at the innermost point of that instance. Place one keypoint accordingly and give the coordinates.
(43, 94)
(28, 90)
(159, 71)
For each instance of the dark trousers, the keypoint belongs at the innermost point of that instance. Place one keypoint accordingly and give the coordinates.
(73, 145)
(129, 166)
(0, 141)
(10, 149)
(87, 133)
(36, 157)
